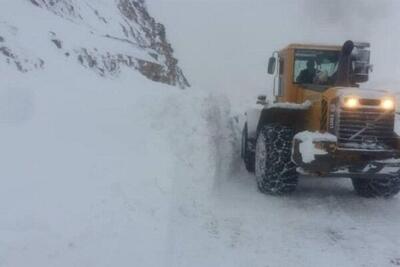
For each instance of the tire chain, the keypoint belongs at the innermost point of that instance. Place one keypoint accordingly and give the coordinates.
(276, 173)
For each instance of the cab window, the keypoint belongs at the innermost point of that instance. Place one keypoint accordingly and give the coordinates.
(315, 66)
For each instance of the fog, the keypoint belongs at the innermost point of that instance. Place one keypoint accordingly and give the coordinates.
(223, 46)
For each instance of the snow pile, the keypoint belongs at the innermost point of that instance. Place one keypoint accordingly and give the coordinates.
(93, 169)
(307, 147)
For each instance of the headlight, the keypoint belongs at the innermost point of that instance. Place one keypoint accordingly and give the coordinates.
(351, 102)
(387, 104)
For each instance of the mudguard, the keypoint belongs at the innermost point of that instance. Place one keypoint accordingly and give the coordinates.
(290, 114)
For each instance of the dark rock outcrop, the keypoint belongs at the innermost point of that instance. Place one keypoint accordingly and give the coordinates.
(13, 55)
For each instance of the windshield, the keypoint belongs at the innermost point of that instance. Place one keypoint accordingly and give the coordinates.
(315, 66)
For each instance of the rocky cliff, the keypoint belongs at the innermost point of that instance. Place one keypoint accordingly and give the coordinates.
(105, 36)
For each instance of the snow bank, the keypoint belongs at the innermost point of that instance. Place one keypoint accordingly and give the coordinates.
(92, 167)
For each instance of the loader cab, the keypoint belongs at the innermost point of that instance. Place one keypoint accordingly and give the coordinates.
(299, 70)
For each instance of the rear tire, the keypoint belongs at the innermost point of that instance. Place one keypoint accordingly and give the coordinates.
(248, 154)
(275, 172)
(371, 188)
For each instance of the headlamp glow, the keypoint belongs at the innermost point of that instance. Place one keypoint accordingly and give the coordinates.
(351, 102)
(387, 104)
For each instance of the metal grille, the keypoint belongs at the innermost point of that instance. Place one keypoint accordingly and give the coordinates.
(370, 102)
(366, 128)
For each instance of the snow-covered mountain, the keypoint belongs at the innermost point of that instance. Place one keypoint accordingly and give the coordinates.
(106, 36)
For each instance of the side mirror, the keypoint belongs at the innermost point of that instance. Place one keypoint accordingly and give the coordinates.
(271, 65)
(262, 99)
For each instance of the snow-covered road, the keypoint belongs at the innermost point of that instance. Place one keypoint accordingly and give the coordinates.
(323, 224)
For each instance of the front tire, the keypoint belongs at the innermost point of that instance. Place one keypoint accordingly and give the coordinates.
(275, 172)
(372, 188)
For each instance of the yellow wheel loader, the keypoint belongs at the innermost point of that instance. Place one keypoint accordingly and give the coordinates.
(320, 123)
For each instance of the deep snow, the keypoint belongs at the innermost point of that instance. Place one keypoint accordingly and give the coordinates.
(89, 168)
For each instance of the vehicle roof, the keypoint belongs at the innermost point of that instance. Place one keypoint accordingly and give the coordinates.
(314, 46)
